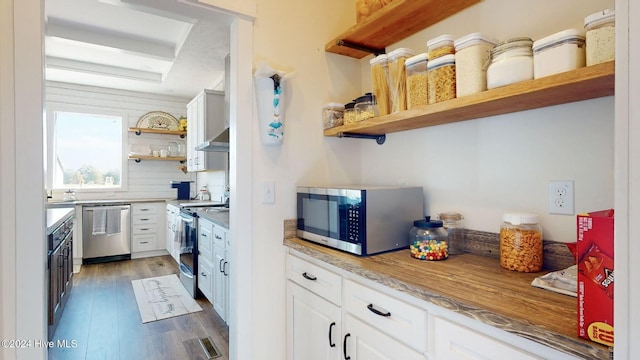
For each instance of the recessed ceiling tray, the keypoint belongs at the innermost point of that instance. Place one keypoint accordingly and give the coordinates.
(158, 120)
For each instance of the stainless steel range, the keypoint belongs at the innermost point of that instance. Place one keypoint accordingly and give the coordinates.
(189, 250)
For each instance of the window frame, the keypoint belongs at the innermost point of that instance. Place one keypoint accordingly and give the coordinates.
(52, 109)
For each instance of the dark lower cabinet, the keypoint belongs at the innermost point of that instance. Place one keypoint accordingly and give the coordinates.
(60, 281)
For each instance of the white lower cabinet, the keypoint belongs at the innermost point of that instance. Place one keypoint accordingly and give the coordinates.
(319, 301)
(455, 342)
(205, 276)
(213, 266)
(172, 241)
(313, 325)
(362, 341)
(147, 229)
(376, 323)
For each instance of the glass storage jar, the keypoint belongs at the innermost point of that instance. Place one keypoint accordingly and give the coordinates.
(442, 79)
(511, 62)
(601, 36)
(417, 83)
(398, 78)
(440, 46)
(452, 222)
(366, 107)
(560, 52)
(428, 240)
(349, 116)
(472, 55)
(521, 242)
(380, 81)
(332, 115)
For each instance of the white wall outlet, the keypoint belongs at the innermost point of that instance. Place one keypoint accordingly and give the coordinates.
(561, 197)
(268, 192)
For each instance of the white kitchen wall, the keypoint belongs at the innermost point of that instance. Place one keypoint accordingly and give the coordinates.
(291, 35)
(484, 168)
(147, 179)
(471, 178)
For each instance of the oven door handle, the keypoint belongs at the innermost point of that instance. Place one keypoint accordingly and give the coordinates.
(186, 271)
(186, 218)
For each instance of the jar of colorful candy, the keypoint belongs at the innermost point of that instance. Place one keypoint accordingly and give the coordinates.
(428, 240)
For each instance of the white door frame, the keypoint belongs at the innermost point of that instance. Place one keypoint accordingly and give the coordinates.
(22, 209)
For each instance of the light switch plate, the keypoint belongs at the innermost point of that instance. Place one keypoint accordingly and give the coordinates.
(268, 192)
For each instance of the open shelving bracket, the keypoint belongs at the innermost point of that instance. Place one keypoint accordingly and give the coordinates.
(380, 139)
(352, 45)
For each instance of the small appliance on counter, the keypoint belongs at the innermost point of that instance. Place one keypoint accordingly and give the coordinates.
(184, 189)
(362, 220)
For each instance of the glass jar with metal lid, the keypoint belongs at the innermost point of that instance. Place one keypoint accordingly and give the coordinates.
(452, 222)
(511, 62)
(521, 242)
(349, 114)
(428, 240)
(366, 107)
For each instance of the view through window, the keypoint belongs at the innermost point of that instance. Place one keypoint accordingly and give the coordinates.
(87, 151)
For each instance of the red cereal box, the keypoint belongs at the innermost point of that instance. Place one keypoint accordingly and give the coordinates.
(594, 253)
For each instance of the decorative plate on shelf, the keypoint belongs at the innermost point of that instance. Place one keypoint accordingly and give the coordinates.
(158, 120)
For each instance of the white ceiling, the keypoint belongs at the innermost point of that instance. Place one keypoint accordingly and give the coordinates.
(156, 46)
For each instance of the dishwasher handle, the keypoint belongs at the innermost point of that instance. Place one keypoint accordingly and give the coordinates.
(121, 207)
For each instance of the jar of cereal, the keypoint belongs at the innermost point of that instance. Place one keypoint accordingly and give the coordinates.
(440, 46)
(601, 36)
(521, 242)
(417, 84)
(442, 79)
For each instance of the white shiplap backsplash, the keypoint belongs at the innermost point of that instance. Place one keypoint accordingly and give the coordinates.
(147, 179)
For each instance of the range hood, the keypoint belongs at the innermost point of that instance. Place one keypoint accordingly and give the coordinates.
(219, 143)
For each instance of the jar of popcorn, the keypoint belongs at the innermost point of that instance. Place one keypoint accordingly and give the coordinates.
(521, 242)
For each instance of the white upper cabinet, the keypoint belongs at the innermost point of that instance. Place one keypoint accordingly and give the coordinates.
(205, 119)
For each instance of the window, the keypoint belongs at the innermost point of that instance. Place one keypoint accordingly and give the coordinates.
(86, 150)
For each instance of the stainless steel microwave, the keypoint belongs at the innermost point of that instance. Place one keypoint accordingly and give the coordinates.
(362, 220)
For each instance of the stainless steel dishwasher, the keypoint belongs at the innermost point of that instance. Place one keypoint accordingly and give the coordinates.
(106, 233)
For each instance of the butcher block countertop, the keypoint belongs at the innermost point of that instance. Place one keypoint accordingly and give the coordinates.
(474, 286)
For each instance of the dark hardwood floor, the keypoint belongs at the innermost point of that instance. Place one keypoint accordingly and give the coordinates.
(101, 319)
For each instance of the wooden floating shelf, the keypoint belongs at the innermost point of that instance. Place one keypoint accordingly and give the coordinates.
(394, 22)
(138, 158)
(581, 84)
(139, 131)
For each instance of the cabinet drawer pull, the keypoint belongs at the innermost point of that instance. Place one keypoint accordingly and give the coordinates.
(203, 235)
(144, 242)
(203, 274)
(331, 343)
(378, 312)
(344, 347)
(309, 277)
(145, 219)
